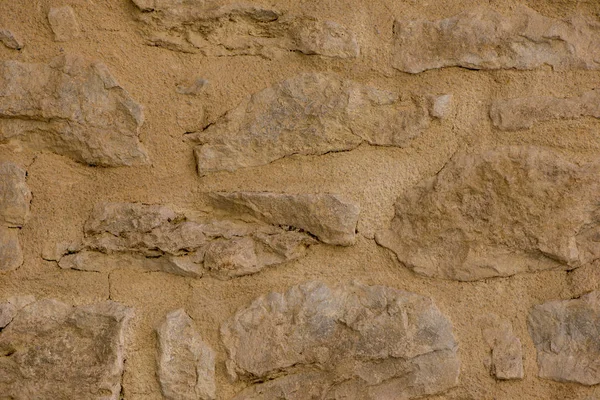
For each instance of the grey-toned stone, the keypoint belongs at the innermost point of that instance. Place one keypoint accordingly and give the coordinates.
(15, 196)
(482, 38)
(54, 351)
(308, 114)
(72, 107)
(11, 255)
(63, 23)
(9, 309)
(497, 213)
(566, 334)
(193, 89)
(156, 238)
(506, 360)
(186, 365)
(329, 217)
(11, 40)
(350, 341)
(241, 29)
(524, 112)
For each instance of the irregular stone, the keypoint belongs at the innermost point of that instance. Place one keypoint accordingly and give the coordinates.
(363, 342)
(186, 365)
(241, 29)
(54, 351)
(193, 89)
(9, 309)
(308, 114)
(63, 23)
(72, 107)
(524, 112)
(156, 238)
(15, 196)
(11, 255)
(507, 353)
(329, 217)
(566, 336)
(10, 40)
(498, 213)
(482, 38)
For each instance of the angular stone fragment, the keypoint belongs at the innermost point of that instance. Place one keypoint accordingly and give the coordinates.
(308, 114)
(566, 334)
(186, 365)
(11, 255)
(10, 308)
(350, 341)
(72, 107)
(484, 39)
(54, 351)
(156, 238)
(329, 217)
(507, 353)
(498, 213)
(15, 196)
(63, 23)
(524, 112)
(10, 40)
(241, 29)
(194, 89)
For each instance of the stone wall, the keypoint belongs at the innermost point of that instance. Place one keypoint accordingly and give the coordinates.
(208, 199)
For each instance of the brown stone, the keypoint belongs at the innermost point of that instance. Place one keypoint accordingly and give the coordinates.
(63, 23)
(11, 40)
(15, 196)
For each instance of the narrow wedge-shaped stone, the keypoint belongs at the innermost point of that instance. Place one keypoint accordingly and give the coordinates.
(482, 38)
(498, 213)
(72, 107)
(311, 114)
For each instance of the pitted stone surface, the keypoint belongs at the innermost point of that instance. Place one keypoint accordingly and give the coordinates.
(485, 39)
(311, 114)
(320, 342)
(524, 112)
(72, 107)
(566, 334)
(156, 238)
(241, 29)
(186, 365)
(51, 350)
(498, 213)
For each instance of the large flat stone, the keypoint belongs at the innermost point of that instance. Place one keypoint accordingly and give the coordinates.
(498, 213)
(312, 114)
(73, 107)
(51, 350)
(320, 342)
(566, 334)
(482, 38)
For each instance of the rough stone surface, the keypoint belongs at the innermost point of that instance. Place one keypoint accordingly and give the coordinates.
(193, 89)
(72, 107)
(11, 40)
(10, 308)
(366, 342)
(498, 213)
(524, 112)
(51, 350)
(566, 334)
(156, 238)
(330, 218)
(308, 114)
(186, 365)
(11, 255)
(506, 361)
(15, 196)
(241, 29)
(482, 38)
(63, 23)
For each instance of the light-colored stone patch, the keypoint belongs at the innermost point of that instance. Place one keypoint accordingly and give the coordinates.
(506, 358)
(11, 40)
(63, 23)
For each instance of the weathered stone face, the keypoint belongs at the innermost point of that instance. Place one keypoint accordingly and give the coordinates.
(498, 213)
(11, 40)
(506, 361)
(372, 342)
(51, 350)
(72, 107)
(156, 238)
(566, 334)
(524, 112)
(240, 29)
(15, 196)
(311, 114)
(11, 255)
(186, 365)
(63, 23)
(484, 39)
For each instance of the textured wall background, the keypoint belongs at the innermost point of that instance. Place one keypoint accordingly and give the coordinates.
(158, 155)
